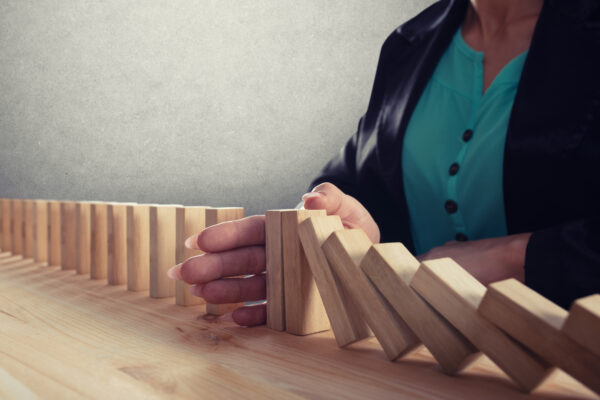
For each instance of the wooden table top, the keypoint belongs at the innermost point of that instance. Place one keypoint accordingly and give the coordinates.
(65, 336)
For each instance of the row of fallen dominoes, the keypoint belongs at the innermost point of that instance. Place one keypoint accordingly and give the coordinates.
(321, 276)
(124, 243)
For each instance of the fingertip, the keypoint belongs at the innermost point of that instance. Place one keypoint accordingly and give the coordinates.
(175, 272)
(250, 315)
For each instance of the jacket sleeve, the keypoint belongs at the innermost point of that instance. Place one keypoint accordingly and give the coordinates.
(562, 263)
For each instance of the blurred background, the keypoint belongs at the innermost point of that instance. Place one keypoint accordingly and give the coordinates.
(221, 103)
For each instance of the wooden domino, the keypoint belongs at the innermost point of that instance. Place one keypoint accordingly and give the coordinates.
(304, 310)
(101, 255)
(274, 271)
(29, 228)
(456, 294)
(42, 212)
(6, 225)
(194, 222)
(69, 217)
(86, 233)
(346, 321)
(391, 267)
(216, 216)
(144, 247)
(169, 249)
(122, 243)
(55, 238)
(345, 250)
(583, 323)
(536, 322)
(17, 226)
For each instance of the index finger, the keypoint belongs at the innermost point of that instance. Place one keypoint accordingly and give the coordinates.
(249, 231)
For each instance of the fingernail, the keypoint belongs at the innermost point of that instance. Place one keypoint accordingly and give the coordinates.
(175, 272)
(196, 290)
(312, 195)
(227, 317)
(192, 242)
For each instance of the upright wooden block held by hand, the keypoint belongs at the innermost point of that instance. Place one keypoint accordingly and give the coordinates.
(391, 267)
(101, 240)
(70, 227)
(346, 322)
(17, 226)
(583, 323)
(345, 250)
(29, 229)
(274, 268)
(42, 212)
(169, 249)
(122, 242)
(304, 310)
(55, 240)
(6, 225)
(194, 222)
(216, 216)
(456, 294)
(536, 322)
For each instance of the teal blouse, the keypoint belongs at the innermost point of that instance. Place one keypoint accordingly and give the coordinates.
(454, 147)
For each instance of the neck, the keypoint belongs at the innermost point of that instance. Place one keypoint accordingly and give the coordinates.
(493, 16)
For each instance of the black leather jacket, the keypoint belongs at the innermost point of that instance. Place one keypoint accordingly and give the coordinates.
(551, 171)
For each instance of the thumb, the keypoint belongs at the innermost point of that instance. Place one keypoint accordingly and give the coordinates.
(328, 197)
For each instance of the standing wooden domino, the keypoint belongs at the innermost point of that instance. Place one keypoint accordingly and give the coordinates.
(6, 225)
(304, 310)
(144, 247)
(86, 233)
(69, 216)
(29, 229)
(42, 211)
(216, 216)
(345, 250)
(169, 249)
(346, 321)
(456, 294)
(194, 222)
(583, 323)
(17, 226)
(101, 240)
(122, 243)
(391, 267)
(55, 239)
(536, 322)
(274, 268)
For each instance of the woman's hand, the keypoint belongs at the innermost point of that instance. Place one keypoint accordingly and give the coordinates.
(238, 248)
(488, 260)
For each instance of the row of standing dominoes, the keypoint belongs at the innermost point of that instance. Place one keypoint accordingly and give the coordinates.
(124, 243)
(320, 275)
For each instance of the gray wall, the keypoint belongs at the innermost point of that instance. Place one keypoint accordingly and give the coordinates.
(222, 103)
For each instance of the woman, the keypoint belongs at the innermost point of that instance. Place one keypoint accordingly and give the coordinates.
(481, 142)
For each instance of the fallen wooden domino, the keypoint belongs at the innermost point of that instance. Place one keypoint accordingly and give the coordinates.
(194, 222)
(216, 216)
(538, 323)
(345, 250)
(456, 294)
(304, 310)
(391, 267)
(346, 321)
(583, 323)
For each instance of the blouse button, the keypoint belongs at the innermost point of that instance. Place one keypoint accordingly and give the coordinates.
(467, 135)
(451, 206)
(453, 170)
